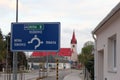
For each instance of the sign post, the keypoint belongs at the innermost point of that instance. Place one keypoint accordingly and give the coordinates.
(35, 36)
(15, 53)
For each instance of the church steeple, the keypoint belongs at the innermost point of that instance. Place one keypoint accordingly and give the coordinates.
(73, 40)
(74, 47)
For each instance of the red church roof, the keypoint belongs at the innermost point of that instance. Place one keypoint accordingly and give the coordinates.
(38, 54)
(65, 52)
(62, 52)
(73, 40)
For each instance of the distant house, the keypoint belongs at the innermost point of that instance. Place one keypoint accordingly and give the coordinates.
(38, 59)
(107, 48)
(41, 62)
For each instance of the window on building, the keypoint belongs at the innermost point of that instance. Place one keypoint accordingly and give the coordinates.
(112, 53)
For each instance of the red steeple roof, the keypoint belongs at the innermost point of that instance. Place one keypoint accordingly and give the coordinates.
(73, 40)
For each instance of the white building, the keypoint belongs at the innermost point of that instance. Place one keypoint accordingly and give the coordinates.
(107, 48)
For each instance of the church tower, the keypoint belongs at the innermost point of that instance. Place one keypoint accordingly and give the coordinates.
(74, 57)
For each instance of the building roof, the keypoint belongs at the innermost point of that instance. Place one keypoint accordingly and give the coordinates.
(73, 40)
(62, 52)
(37, 54)
(107, 18)
(65, 52)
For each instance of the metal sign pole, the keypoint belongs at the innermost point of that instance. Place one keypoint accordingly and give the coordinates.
(15, 53)
(15, 66)
(47, 64)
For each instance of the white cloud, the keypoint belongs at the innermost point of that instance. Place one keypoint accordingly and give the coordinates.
(79, 15)
(8, 4)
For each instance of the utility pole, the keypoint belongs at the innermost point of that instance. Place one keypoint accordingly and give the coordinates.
(15, 62)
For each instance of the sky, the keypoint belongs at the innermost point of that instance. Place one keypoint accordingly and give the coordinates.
(82, 16)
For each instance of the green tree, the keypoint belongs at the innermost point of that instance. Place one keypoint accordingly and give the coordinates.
(6, 53)
(87, 59)
(2, 50)
(22, 61)
(90, 67)
(86, 54)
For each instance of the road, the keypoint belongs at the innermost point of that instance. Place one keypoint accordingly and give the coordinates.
(35, 74)
(62, 74)
(24, 76)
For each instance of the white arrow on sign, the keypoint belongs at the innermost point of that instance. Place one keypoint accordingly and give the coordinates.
(35, 38)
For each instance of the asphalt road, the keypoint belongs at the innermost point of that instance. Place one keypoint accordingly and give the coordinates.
(33, 75)
(62, 74)
(52, 75)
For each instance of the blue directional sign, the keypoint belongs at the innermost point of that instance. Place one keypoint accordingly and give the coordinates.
(43, 36)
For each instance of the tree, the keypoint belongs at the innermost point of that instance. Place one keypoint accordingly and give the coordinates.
(90, 67)
(86, 54)
(2, 50)
(22, 61)
(87, 58)
(6, 53)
